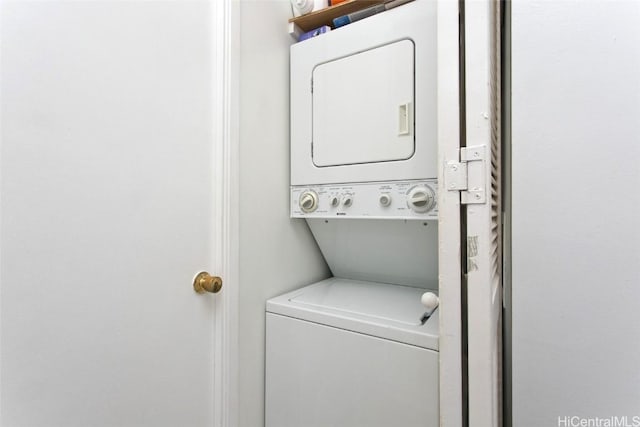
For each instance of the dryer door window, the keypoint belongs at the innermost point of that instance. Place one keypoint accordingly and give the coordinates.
(363, 107)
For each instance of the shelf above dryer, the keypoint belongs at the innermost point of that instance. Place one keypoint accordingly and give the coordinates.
(325, 16)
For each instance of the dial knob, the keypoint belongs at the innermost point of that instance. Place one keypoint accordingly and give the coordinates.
(430, 302)
(347, 200)
(385, 199)
(334, 201)
(308, 201)
(421, 199)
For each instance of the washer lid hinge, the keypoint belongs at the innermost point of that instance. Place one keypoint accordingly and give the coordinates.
(468, 175)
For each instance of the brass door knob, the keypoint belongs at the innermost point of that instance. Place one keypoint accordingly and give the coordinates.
(204, 282)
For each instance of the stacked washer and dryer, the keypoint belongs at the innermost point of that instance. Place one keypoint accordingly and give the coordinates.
(361, 348)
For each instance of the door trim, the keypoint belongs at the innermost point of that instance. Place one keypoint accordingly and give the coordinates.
(449, 247)
(225, 45)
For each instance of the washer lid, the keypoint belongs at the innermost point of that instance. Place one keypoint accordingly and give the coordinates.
(398, 304)
(383, 310)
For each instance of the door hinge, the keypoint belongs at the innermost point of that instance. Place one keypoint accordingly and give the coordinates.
(468, 175)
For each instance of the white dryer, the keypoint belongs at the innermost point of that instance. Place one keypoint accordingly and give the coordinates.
(346, 353)
(363, 118)
(364, 100)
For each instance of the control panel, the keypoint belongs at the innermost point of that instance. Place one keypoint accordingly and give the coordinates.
(415, 199)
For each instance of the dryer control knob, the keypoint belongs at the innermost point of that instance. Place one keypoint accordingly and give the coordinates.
(308, 201)
(334, 201)
(385, 199)
(421, 199)
(347, 200)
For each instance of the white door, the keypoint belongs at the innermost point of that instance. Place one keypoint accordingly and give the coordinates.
(483, 213)
(107, 213)
(470, 239)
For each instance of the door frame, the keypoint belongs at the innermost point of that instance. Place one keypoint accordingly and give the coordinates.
(449, 218)
(225, 38)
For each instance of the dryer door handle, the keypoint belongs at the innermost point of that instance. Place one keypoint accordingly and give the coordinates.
(404, 119)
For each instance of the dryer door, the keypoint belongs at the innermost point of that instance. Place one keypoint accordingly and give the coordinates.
(363, 107)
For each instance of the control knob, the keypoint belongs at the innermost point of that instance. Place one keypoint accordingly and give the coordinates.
(421, 199)
(308, 201)
(385, 199)
(430, 302)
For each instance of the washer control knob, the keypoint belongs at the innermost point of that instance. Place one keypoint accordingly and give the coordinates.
(334, 201)
(308, 201)
(430, 302)
(347, 200)
(421, 199)
(385, 199)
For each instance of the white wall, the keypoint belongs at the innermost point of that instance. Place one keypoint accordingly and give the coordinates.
(277, 254)
(576, 203)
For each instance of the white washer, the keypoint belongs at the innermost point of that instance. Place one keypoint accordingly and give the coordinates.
(347, 353)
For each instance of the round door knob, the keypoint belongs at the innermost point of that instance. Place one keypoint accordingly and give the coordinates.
(204, 282)
(308, 201)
